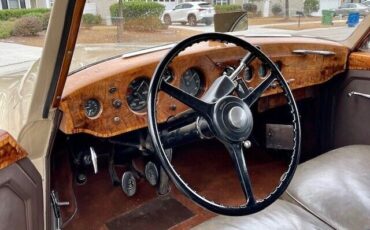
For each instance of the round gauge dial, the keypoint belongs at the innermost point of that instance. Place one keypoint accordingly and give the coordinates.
(168, 76)
(137, 93)
(191, 82)
(92, 108)
(248, 73)
(263, 70)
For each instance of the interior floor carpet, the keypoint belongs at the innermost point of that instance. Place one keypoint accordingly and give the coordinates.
(158, 214)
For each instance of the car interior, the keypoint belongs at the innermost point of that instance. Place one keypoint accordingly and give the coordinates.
(218, 131)
(105, 116)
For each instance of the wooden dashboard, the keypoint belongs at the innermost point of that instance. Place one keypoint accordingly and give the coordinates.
(108, 82)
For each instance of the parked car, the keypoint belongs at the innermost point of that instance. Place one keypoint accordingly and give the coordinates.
(272, 129)
(346, 8)
(191, 13)
(366, 3)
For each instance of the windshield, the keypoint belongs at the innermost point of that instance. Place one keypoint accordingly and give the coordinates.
(112, 28)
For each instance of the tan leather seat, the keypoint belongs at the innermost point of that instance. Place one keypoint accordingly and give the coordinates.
(279, 215)
(331, 191)
(336, 187)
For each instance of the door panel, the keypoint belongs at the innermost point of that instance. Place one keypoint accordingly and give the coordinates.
(352, 114)
(21, 204)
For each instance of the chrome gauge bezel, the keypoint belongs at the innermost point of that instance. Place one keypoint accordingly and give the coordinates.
(92, 113)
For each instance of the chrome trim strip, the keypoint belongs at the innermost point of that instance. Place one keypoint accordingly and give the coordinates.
(146, 51)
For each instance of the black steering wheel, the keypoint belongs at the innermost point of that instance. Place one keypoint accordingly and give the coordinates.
(225, 117)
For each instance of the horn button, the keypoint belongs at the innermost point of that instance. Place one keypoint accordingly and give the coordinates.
(233, 119)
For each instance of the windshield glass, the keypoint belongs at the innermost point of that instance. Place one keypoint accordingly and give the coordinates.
(114, 27)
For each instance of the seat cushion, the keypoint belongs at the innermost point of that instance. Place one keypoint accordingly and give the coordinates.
(279, 215)
(336, 187)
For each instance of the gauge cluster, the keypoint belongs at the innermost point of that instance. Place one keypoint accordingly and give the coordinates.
(191, 82)
(137, 93)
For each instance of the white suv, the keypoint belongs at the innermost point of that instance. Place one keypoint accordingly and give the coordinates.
(190, 12)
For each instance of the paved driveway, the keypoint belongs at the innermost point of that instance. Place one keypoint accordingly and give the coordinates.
(16, 58)
(340, 33)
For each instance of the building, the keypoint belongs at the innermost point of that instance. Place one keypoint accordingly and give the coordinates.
(25, 4)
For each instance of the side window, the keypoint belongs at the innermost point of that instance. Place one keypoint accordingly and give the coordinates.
(187, 6)
(178, 7)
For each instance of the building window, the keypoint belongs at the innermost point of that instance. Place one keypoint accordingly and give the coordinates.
(13, 4)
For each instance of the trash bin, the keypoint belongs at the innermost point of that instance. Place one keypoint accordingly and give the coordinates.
(353, 19)
(327, 17)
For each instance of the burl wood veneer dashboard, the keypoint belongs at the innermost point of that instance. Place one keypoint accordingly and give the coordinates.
(109, 98)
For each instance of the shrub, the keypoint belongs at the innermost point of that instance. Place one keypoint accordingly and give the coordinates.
(140, 16)
(27, 26)
(17, 13)
(310, 6)
(45, 20)
(90, 19)
(227, 8)
(144, 24)
(276, 9)
(6, 29)
(137, 9)
(250, 8)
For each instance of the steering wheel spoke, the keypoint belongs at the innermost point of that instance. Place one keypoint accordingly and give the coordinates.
(237, 155)
(203, 108)
(259, 90)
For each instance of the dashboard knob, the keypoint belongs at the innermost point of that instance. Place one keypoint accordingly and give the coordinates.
(112, 90)
(116, 120)
(117, 103)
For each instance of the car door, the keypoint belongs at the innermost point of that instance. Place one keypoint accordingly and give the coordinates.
(28, 123)
(21, 205)
(176, 12)
(352, 110)
(186, 9)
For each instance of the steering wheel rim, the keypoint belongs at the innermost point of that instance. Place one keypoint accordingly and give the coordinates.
(155, 86)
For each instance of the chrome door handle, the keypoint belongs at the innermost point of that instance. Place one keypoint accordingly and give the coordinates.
(353, 93)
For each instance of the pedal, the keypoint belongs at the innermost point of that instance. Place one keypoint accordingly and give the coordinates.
(128, 184)
(164, 185)
(151, 173)
(94, 159)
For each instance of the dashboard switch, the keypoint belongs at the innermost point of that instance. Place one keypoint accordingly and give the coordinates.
(173, 107)
(117, 103)
(112, 90)
(116, 120)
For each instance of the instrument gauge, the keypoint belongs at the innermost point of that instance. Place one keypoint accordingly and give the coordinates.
(92, 108)
(191, 82)
(263, 70)
(137, 93)
(168, 75)
(248, 73)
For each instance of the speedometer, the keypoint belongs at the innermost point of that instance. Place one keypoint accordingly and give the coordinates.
(191, 82)
(137, 93)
